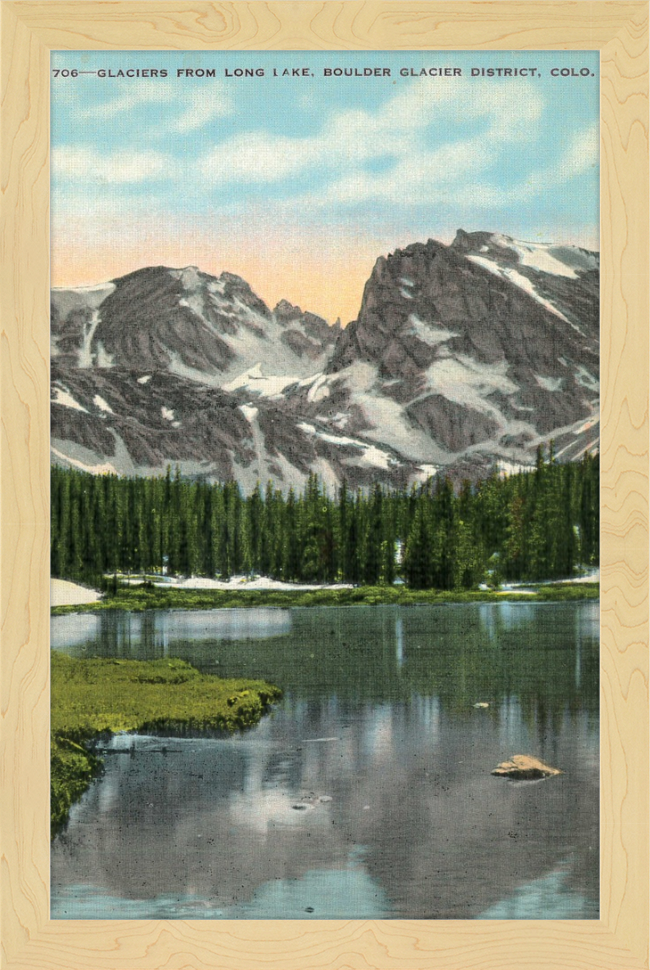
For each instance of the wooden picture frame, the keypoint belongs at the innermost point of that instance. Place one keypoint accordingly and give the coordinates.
(619, 30)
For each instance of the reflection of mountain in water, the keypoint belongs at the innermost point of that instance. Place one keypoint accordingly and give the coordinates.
(395, 797)
(378, 744)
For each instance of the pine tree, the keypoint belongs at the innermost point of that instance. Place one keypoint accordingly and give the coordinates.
(539, 525)
(291, 547)
(372, 560)
(418, 561)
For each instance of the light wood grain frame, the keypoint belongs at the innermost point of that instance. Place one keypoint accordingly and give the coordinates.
(30, 941)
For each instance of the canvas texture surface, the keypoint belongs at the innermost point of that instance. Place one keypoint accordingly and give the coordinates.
(325, 443)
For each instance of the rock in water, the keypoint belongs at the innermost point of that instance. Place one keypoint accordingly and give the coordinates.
(523, 767)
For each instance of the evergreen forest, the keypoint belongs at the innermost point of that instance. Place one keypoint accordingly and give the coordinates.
(531, 526)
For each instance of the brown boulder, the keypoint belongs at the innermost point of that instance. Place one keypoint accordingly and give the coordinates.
(524, 767)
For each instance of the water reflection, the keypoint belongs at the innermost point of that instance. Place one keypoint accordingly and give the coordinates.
(547, 898)
(74, 631)
(545, 654)
(369, 786)
(399, 640)
(318, 894)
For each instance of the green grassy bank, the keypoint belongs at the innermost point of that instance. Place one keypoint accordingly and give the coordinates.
(92, 698)
(149, 597)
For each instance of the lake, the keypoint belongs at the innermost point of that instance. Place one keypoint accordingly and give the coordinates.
(367, 792)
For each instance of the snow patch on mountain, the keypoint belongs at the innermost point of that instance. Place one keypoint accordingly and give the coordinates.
(468, 382)
(586, 426)
(591, 448)
(249, 412)
(193, 302)
(376, 458)
(425, 472)
(63, 397)
(548, 258)
(339, 420)
(429, 333)
(255, 381)
(100, 403)
(510, 274)
(181, 369)
(387, 421)
(85, 353)
(549, 383)
(104, 468)
(586, 379)
(217, 285)
(319, 389)
(370, 455)
(512, 468)
(102, 358)
(77, 297)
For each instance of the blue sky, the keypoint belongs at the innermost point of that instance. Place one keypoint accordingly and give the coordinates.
(298, 184)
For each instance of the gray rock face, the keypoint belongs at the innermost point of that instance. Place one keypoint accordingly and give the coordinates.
(120, 420)
(430, 301)
(462, 357)
(305, 333)
(453, 425)
(186, 322)
(489, 345)
(133, 425)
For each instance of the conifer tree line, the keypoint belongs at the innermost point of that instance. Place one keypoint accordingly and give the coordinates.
(534, 525)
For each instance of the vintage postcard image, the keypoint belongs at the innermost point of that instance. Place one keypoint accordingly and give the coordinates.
(325, 485)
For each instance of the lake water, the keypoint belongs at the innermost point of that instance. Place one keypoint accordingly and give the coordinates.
(367, 792)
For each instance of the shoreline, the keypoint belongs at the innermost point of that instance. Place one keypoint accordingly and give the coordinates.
(147, 596)
(94, 698)
(65, 592)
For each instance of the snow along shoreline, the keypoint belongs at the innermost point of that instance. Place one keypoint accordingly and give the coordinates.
(65, 593)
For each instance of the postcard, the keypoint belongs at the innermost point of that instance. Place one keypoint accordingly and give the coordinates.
(325, 485)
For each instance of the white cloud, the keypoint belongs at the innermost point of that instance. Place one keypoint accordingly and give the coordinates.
(583, 152)
(129, 96)
(400, 136)
(581, 155)
(257, 157)
(433, 141)
(78, 163)
(200, 109)
(197, 104)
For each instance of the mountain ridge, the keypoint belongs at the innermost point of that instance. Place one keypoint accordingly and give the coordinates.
(464, 357)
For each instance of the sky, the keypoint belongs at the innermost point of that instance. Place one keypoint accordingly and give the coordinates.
(299, 183)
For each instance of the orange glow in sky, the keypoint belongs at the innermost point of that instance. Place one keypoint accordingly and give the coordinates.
(328, 281)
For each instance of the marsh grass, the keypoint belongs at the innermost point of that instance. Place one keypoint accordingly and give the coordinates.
(148, 597)
(94, 698)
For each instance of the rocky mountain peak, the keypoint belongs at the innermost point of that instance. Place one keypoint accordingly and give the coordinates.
(190, 276)
(286, 312)
(462, 356)
(307, 334)
(467, 242)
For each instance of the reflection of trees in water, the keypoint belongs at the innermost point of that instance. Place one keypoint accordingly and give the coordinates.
(545, 656)
(396, 688)
(536, 654)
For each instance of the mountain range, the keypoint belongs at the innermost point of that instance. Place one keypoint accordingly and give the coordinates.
(463, 357)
